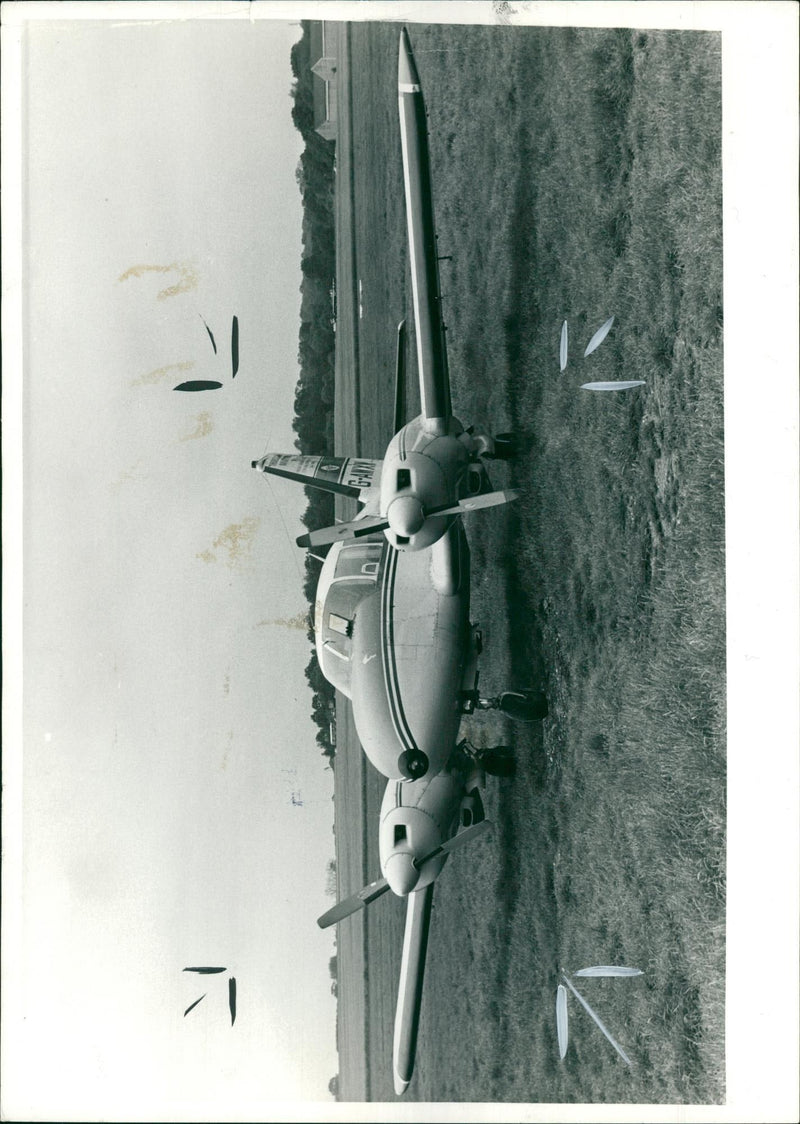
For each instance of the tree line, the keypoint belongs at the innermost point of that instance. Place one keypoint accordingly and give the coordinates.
(314, 394)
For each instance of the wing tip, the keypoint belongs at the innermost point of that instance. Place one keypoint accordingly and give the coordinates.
(400, 1084)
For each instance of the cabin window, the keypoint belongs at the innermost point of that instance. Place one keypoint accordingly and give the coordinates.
(399, 833)
(358, 560)
(340, 624)
(403, 478)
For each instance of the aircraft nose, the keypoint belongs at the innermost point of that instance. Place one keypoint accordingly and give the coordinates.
(401, 873)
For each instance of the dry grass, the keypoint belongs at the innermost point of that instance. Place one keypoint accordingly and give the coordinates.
(581, 180)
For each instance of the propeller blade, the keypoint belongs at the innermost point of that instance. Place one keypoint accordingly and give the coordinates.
(409, 993)
(205, 971)
(608, 970)
(355, 529)
(352, 904)
(564, 345)
(475, 503)
(612, 385)
(598, 337)
(562, 1020)
(456, 841)
(400, 379)
(598, 1020)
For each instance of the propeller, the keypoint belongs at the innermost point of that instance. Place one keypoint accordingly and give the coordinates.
(376, 889)
(357, 528)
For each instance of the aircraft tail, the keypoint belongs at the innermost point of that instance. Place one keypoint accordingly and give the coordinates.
(344, 476)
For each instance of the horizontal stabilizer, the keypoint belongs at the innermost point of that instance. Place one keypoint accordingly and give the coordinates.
(344, 476)
(352, 904)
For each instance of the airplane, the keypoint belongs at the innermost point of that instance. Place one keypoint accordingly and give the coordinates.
(392, 613)
(391, 616)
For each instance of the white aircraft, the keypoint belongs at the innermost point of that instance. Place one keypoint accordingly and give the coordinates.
(392, 608)
(391, 621)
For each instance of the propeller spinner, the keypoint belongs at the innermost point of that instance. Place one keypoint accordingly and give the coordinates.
(380, 886)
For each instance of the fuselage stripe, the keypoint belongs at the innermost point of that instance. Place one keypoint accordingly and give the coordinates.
(399, 720)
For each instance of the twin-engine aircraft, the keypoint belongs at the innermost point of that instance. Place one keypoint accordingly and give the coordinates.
(391, 621)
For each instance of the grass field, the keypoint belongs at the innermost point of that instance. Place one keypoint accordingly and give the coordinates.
(577, 175)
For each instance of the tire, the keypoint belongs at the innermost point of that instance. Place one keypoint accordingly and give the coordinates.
(498, 764)
(506, 446)
(524, 706)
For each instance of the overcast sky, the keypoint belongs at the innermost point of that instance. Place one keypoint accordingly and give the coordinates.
(178, 811)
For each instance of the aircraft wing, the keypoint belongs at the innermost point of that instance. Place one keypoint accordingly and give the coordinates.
(409, 997)
(423, 253)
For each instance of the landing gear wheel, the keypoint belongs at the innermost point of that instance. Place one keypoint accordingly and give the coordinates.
(472, 809)
(523, 706)
(498, 764)
(506, 446)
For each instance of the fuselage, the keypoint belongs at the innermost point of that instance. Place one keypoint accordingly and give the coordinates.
(393, 635)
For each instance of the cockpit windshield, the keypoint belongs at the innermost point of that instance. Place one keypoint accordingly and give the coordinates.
(358, 559)
(354, 578)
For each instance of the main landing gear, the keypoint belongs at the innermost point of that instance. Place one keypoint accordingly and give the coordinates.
(522, 706)
(497, 760)
(501, 447)
(506, 447)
